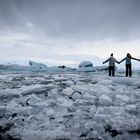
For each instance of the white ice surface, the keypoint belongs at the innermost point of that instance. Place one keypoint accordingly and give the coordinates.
(77, 106)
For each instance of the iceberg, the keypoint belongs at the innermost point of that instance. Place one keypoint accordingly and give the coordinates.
(37, 66)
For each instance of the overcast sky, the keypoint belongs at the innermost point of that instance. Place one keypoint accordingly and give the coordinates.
(67, 32)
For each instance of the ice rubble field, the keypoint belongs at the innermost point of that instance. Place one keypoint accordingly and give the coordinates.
(69, 106)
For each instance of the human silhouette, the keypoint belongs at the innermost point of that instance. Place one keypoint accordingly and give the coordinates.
(128, 64)
(111, 61)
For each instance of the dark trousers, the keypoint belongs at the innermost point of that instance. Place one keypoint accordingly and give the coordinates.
(128, 70)
(111, 71)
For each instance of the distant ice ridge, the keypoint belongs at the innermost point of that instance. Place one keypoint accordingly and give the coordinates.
(14, 67)
(37, 66)
(86, 66)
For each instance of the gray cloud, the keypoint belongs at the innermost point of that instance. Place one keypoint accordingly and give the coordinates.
(92, 19)
(68, 31)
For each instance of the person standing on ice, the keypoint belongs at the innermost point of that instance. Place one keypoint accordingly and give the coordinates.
(111, 61)
(128, 64)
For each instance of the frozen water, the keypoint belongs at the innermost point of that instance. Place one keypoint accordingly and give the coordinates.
(69, 105)
(86, 64)
(37, 66)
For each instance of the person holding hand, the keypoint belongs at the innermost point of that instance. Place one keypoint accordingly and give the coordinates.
(111, 61)
(128, 64)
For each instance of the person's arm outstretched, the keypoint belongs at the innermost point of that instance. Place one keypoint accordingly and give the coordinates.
(135, 59)
(116, 61)
(122, 60)
(106, 61)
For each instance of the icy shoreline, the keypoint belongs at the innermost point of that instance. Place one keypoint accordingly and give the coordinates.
(70, 106)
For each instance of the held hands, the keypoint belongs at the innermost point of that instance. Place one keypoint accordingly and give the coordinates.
(119, 62)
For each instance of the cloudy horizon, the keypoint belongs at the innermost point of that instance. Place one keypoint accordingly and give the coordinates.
(66, 32)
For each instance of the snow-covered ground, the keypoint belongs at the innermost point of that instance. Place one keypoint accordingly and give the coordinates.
(69, 106)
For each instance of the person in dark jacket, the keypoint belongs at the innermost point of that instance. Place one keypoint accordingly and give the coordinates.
(128, 64)
(111, 61)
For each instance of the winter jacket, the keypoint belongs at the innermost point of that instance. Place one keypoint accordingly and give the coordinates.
(128, 60)
(111, 60)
